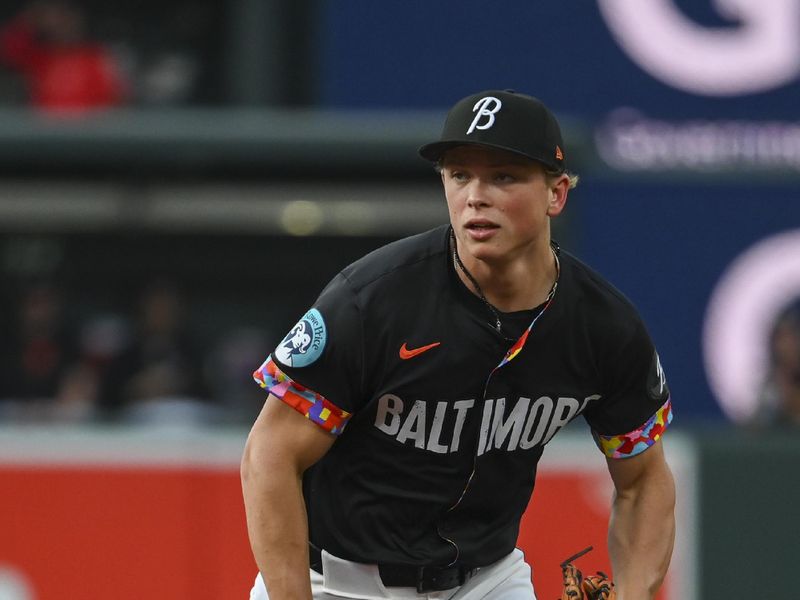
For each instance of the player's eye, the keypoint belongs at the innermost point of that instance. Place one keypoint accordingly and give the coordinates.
(459, 176)
(504, 178)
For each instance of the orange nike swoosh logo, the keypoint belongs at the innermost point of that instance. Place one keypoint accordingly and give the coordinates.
(405, 353)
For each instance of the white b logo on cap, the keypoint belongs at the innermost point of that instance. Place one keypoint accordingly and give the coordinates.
(485, 107)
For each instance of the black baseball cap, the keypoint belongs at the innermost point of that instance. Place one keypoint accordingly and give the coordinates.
(506, 120)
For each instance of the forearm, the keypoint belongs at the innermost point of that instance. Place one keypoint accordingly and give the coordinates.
(641, 535)
(276, 523)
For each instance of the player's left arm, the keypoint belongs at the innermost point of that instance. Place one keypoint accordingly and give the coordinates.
(641, 530)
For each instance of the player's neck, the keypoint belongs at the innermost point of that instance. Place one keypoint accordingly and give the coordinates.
(512, 285)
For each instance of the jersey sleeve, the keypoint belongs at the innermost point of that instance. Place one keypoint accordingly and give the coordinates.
(636, 406)
(317, 367)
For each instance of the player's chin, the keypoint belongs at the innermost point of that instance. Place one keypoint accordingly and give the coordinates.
(486, 251)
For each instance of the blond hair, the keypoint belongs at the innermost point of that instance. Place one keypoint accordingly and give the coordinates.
(574, 178)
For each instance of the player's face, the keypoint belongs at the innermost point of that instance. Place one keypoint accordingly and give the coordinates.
(500, 203)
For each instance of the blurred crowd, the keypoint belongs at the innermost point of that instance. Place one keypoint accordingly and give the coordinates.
(56, 59)
(149, 365)
(143, 367)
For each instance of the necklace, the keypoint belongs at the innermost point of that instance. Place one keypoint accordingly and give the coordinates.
(494, 312)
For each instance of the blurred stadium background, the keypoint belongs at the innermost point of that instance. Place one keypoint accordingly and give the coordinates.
(157, 239)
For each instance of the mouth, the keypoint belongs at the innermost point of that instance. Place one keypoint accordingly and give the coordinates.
(481, 230)
(480, 225)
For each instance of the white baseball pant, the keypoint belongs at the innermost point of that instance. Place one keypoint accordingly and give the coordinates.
(507, 579)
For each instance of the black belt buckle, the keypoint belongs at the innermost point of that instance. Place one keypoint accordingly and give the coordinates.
(433, 579)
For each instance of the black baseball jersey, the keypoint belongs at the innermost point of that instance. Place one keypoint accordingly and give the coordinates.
(441, 420)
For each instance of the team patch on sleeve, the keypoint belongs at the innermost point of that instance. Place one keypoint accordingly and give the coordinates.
(305, 342)
(314, 406)
(639, 440)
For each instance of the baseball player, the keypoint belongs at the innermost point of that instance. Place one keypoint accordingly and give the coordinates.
(410, 405)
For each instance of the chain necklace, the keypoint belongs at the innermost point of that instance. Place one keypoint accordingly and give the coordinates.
(496, 313)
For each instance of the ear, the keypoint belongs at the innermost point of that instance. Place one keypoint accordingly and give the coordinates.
(557, 195)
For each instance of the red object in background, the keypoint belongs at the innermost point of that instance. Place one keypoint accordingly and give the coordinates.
(129, 515)
(125, 533)
(62, 78)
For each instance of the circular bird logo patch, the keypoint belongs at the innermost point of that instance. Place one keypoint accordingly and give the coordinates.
(305, 342)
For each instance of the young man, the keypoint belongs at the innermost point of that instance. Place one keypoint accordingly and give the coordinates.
(409, 407)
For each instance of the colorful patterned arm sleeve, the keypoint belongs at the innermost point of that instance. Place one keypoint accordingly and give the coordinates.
(637, 441)
(314, 406)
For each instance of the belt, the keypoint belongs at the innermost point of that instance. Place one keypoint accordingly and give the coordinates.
(424, 579)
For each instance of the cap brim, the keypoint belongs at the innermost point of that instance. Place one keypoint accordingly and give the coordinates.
(434, 151)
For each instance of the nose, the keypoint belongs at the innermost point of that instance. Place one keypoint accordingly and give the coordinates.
(477, 194)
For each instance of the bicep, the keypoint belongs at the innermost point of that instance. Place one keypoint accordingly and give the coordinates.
(281, 435)
(631, 474)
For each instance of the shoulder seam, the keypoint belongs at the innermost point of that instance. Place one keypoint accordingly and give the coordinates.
(599, 280)
(390, 271)
(362, 350)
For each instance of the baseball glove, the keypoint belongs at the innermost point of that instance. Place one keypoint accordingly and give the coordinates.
(593, 587)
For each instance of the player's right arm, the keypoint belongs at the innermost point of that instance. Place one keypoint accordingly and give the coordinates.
(282, 444)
